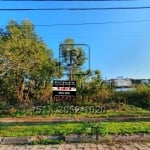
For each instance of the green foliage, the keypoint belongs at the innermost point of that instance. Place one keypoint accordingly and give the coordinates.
(72, 57)
(27, 55)
(140, 97)
(92, 89)
(23, 54)
(62, 129)
(64, 109)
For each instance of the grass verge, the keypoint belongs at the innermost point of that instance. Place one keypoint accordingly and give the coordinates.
(65, 110)
(102, 128)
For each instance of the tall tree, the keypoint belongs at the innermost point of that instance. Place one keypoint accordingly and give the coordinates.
(90, 85)
(27, 55)
(72, 57)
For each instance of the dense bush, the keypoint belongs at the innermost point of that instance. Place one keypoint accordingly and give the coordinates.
(139, 97)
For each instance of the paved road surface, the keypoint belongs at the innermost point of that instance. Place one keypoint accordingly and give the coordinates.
(87, 146)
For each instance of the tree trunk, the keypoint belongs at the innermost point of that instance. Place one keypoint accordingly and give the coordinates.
(20, 92)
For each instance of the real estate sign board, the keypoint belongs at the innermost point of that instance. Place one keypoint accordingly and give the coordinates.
(64, 88)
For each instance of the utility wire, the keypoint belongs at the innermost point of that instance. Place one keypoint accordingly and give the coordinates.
(96, 23)
(75, 9)
(87, 23)
(65, 0)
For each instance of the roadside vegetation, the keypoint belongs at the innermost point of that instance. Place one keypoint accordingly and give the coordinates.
(64, 110)
(62, 129)
(28, 67)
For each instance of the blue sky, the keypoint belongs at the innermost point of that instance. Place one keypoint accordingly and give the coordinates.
(117, 49)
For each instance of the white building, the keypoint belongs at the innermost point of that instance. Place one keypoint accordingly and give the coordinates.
(121, 82)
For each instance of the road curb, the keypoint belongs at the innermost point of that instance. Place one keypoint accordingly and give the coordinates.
(74, 138)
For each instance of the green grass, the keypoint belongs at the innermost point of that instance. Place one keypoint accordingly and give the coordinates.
(71, 110)
(103, 128)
